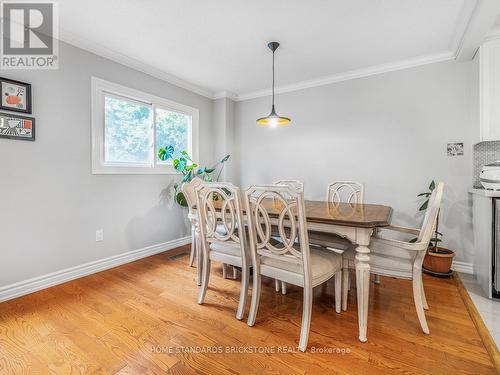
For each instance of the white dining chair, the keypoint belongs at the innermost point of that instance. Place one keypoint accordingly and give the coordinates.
(351, 192)
(219, 204)
(296, 184)
(299, 186)
(403, 259)
(345, 192)
(189, 191)
(290, 259)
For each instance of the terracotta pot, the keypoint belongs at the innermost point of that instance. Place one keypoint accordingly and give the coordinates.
(439, 262)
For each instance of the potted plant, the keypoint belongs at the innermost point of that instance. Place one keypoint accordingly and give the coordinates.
(189, 169)
(437, 260)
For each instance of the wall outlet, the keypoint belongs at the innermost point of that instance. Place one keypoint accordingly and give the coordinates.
(99, 235)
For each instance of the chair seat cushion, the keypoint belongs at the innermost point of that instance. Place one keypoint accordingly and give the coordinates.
(227, 252)
(321, 239)
(324, 264)
(329, 240)
(386, 261)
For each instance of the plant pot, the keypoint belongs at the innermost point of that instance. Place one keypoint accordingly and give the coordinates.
(439, 263)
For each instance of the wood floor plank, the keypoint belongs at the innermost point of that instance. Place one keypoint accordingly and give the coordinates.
(142, 318)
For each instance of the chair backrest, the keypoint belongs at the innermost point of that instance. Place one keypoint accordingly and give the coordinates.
(345, 192)
(189, 191)
(296, 184)
(431, 214)
(219, 207)
(282, 206)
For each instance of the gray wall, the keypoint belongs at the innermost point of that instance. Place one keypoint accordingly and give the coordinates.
(388, 131)
(52, 204)
(223, 125)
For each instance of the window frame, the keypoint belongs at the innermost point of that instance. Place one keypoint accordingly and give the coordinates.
(99, 89)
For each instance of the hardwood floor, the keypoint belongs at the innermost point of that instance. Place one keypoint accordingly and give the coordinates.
(142, 318)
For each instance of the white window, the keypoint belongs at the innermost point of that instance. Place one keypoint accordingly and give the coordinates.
(129, 127)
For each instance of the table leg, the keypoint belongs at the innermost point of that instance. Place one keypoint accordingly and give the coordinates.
(363, 279)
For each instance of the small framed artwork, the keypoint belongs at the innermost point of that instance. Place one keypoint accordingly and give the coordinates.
(455, 149)
(16, 96)
(17, 127)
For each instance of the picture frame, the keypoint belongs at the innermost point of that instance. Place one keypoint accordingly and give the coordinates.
(16, 96)
(13, 126)
(455, 149)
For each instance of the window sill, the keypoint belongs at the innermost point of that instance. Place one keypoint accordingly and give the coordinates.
(134, 170)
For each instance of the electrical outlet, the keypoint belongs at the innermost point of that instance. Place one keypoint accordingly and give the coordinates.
(99, 235)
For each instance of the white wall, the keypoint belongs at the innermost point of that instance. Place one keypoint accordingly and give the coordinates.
(388, 131)
(51, 203)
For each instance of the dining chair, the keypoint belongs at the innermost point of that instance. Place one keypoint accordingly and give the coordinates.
(337, 192)
(219, 204)
(296, 184)
(189, 191)
(403, 259)
(299, 186)
(290, 259)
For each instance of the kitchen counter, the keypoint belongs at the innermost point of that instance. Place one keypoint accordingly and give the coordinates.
(485, 193)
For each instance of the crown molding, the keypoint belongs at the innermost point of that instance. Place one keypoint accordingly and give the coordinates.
(469, 10)
(353, 74)
(493, 34)
(122, 59)
(225, 94)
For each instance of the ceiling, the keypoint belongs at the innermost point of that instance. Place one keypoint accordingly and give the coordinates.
(218, 47)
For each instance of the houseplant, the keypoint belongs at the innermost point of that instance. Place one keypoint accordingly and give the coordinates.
(189, 169)
(437, 260)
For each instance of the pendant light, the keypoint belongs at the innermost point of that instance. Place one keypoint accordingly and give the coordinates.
(273, 119)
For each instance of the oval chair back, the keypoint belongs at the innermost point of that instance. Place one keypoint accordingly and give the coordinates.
(296, 184)
(345, 192)
(189, 191)
(283, 207)
(220, 215)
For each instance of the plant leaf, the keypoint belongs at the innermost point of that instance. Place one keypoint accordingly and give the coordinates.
(424, 195)
(191, 167)
(200, 171)
(187, 177)
(181, 164)
(181, 199)
(424, 205)
(432, 186)
(413, 240)
(209, 170)
(166, 153)
(225, 158)
(185, 154)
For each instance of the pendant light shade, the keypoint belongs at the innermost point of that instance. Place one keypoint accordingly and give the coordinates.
(273, 119)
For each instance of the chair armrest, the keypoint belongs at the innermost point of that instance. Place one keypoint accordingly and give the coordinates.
(416, 246)
(398, 228)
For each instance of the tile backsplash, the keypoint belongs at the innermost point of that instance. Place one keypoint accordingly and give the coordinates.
(484, 153)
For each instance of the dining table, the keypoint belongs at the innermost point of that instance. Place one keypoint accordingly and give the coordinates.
(357, 223)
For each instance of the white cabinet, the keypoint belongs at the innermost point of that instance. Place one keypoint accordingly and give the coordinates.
(489, 92)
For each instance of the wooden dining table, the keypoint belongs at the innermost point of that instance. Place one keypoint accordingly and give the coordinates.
(356, 222)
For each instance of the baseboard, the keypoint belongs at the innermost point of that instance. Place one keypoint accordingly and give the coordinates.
(41, 282)
(462, 267)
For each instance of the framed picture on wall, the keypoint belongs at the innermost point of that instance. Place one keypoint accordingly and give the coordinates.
(17, 127)
(16, 96)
